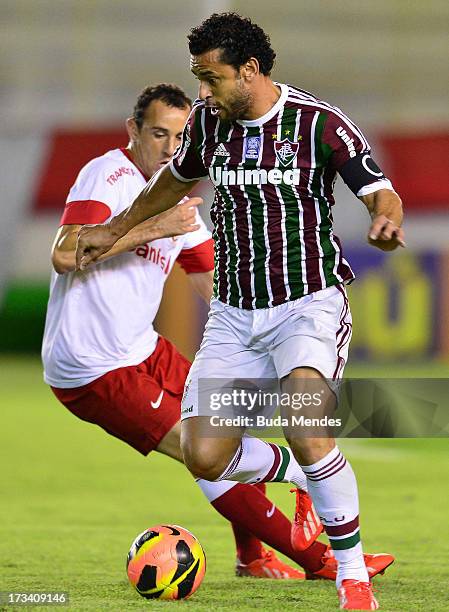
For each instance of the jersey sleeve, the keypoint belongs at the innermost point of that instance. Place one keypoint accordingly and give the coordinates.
(94, 197)
(186, 164)
(344, 139)
(350, 154)
(197, 253)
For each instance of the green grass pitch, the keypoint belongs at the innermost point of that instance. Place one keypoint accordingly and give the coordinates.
(74, 498)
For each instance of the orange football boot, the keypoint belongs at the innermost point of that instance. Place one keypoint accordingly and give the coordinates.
(375, 564)
(269, 566)
(306, 526)
(357, 595)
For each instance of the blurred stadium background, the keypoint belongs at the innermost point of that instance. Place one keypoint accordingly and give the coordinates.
(70, 73)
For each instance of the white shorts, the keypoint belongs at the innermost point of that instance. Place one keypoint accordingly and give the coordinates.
(313, 331)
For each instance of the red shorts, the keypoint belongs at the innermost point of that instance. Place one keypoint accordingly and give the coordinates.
(137, 404)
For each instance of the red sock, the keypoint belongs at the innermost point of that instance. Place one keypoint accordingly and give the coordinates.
(249, 548)
(249, 509)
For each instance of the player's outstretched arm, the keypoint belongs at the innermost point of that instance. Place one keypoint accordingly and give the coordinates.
(178, 220)
(161, 193)
(385, 209)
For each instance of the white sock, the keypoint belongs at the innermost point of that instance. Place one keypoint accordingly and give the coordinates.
(259, 461)
(333, 488)
(213, 490)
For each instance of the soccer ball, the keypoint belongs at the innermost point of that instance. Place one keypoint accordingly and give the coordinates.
(166, 562)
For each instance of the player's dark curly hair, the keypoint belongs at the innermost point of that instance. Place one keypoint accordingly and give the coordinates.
(237, 36)
(170, 94)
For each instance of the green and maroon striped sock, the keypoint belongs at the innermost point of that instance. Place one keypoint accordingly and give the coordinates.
(259, 461)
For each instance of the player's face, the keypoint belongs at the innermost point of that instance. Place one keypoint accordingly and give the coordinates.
(222, 87)
(160, 134)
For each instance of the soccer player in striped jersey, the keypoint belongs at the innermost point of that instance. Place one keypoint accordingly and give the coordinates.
(279, 308)
(124, 377)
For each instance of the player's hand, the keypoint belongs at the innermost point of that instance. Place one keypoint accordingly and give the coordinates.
(180, 219)
(385, 234)
(93, 241)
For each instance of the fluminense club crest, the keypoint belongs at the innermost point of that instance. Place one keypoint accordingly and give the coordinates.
(286, 150)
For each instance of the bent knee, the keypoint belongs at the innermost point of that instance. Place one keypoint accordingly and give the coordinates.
(203, 469)
(205, 458)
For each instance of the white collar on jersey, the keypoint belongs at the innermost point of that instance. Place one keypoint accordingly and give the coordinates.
(272, 112)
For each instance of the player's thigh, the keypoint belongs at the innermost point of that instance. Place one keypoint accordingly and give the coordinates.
(168, 367)
(315, 333)
(128, 404)
(224, 360)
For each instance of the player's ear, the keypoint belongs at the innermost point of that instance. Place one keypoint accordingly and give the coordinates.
(132, 129)
(250, 69)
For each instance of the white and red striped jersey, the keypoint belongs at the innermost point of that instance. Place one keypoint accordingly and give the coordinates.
(102, 318)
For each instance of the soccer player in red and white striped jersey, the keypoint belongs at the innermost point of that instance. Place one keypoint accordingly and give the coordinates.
(280, 309)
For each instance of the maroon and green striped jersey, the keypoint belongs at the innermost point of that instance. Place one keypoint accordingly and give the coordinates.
(273, 180)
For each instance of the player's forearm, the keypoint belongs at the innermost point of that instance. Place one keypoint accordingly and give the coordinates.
(65, 261)
(385, 207)
(162, 192)
(151, 229)
(384, 202)
(63, 256)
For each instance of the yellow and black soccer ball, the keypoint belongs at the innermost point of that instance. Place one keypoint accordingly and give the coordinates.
(166, 562)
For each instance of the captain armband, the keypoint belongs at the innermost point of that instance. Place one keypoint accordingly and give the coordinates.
(361, 171)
